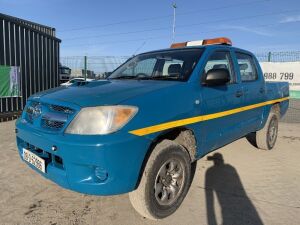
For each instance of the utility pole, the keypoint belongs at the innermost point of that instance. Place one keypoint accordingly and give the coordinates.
(174, 21)
(85, 67)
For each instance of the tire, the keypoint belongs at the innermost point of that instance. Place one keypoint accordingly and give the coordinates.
(159, 194)
(265, 138)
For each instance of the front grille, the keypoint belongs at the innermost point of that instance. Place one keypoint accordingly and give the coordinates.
(39, 152)
(63, 109)
(49, 158)
(51, 117)
(52, 124)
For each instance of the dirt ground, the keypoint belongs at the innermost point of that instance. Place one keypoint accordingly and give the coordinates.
(250, 187)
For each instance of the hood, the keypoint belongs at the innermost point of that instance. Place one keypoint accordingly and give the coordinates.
(104, 92)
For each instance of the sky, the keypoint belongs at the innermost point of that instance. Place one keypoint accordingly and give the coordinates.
(123, 28)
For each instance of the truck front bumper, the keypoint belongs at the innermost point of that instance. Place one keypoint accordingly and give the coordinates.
(98, 165)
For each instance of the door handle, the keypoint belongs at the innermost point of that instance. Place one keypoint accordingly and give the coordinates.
(262, 90)
(239, 94)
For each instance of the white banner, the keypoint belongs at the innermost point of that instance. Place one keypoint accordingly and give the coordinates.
(283, 71)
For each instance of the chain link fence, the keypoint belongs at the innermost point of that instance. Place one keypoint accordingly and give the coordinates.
(98, 67)
(291, 56)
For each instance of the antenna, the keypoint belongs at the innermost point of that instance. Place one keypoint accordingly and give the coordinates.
(142, 45)
(174, 21)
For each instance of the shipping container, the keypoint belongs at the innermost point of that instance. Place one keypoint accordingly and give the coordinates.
(32, 50)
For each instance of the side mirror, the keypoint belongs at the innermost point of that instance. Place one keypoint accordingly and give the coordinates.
(215, 77)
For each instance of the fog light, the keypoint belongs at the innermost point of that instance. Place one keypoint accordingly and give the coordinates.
(101, 174)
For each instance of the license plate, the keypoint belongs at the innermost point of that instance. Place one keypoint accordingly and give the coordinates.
(34, 160)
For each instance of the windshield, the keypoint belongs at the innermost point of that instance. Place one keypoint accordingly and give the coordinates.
(165, 65)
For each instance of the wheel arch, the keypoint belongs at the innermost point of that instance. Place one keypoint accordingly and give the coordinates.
(181, 135)
(274, 107)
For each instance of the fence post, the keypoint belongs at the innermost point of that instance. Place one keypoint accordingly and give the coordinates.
(85, 67)
(269, 56)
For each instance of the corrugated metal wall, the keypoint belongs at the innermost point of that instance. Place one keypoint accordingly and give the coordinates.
(35, 49)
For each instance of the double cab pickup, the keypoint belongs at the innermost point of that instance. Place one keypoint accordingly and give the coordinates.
(142, 129)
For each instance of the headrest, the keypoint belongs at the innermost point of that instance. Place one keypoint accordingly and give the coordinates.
(174, 69)
(220, 66)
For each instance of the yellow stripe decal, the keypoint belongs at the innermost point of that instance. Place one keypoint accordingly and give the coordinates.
(182, 122)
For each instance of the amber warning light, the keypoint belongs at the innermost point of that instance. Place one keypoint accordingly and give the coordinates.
(214, 41)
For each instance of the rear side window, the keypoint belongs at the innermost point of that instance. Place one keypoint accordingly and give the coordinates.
(247, 67)
(220, 60)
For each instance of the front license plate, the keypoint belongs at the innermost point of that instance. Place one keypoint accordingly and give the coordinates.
(34, 160)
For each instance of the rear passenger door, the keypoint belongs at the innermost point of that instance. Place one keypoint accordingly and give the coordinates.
(253, 90)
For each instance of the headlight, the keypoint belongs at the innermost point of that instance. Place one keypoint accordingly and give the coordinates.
(101, 120)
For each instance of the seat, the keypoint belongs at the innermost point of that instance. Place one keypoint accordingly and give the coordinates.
(174, 70)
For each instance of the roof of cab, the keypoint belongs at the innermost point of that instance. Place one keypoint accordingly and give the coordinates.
(208, 47)
(211, 43)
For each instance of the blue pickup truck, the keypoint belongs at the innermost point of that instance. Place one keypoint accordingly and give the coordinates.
(142, 129)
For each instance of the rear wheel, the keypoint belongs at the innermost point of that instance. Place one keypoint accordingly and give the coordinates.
(266, 138)
(165, 181)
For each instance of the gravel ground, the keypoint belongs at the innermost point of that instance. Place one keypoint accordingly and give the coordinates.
(250, 187)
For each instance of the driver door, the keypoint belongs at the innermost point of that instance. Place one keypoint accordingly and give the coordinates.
(220, 131)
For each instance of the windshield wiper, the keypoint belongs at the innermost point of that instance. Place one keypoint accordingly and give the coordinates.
(148, 78)
(124, 77)
(160, 78)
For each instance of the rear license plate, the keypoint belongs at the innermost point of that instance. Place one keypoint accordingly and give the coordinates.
(34, 160)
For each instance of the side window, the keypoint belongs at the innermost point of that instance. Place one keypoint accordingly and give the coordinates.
(220, 60)
(247, 67)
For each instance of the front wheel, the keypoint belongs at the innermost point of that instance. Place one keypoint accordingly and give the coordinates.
(164, 183)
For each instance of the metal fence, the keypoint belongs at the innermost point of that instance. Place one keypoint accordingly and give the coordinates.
(34, 49)
(99, 65)
(290, 56)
